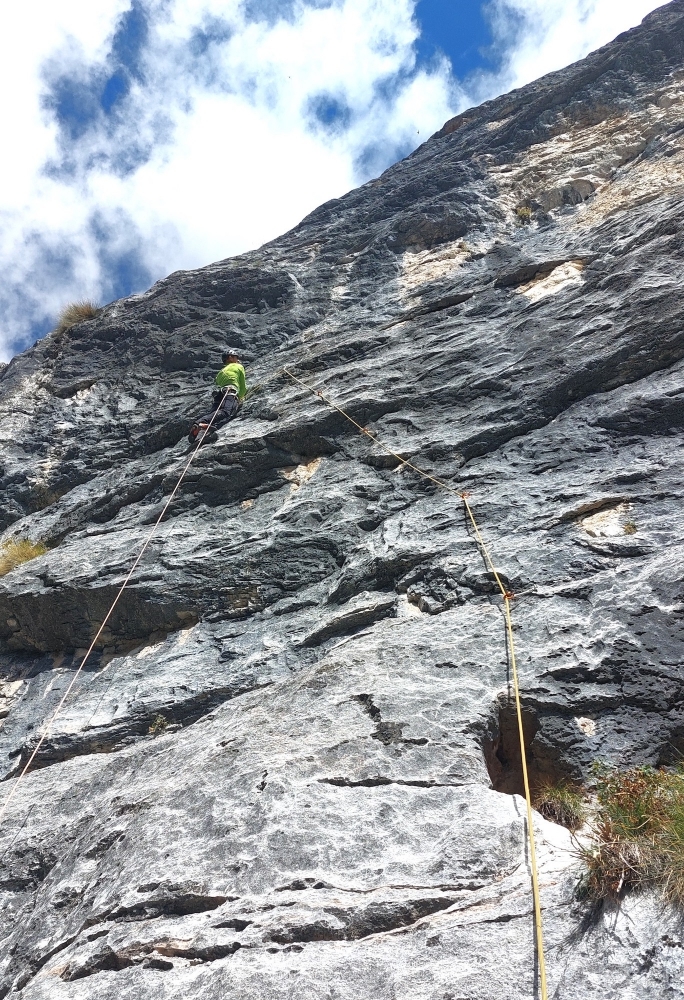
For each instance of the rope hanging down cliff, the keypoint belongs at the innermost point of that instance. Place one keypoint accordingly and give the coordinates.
(507, 598)
(506, 595)
(53, 718)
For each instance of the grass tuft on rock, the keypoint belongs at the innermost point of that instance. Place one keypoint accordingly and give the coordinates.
(562, 803)
(637, 835)
(76, 312)
(15, 551)
(158, 725)
(524, 213)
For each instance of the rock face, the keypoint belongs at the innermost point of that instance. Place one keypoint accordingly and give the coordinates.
(291, 770)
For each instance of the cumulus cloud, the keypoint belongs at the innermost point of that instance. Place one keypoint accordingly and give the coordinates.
(149, 135)
(142, 136)
(534, 37)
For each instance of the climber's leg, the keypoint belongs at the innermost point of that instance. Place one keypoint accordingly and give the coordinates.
(227, 408)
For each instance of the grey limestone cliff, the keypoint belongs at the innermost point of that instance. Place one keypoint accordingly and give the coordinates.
(290, 770)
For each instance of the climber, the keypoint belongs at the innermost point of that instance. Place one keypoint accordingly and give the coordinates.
(227, 397)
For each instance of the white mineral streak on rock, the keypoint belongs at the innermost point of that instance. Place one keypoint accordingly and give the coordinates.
(607, 523)
(561, 277)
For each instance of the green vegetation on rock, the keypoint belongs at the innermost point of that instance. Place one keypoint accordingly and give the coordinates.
(158, 725)
(637, 834)
(562, 803)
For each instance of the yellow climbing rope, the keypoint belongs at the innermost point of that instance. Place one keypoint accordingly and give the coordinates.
(506, 595)
(507, 598)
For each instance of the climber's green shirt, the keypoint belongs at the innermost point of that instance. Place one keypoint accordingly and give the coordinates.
(233, 374)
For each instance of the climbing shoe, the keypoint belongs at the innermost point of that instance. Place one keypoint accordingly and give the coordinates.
(200, 433)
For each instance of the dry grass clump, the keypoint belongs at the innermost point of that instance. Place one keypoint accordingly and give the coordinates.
(14, 552)
(524, 213)
(76, 312)
(562, 803)
(158, 725)
(638, 834)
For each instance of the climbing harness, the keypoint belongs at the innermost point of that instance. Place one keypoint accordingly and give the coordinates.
(507, 597)
(53, 718)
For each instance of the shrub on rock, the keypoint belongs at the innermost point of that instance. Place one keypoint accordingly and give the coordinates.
(562, 803)
(637, 834)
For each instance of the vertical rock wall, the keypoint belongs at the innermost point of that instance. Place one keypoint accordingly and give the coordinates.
(291, 769)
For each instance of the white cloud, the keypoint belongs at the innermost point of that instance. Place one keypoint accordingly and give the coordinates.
(214, 149)
(538, 36)
(217, 139)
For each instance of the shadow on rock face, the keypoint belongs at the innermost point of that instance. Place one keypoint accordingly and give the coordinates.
(548, 760)
(562, 747)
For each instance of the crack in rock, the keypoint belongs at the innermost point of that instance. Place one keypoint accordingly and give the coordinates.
(338, 924)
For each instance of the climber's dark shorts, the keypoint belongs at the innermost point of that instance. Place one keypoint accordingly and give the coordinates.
(228, 407)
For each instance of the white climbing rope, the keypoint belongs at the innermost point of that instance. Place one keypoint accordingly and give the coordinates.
(55, 715)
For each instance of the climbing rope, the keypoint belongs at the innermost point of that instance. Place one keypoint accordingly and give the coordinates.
(55, 715)
(506, 595)
(507, 598)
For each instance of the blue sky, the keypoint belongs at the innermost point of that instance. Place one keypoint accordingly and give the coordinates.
(456, 29)
(459, 29)
(151, 135)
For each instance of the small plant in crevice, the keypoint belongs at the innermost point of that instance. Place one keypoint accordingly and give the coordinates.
(76, 312)
(637, 839)
(524, 214)
(158, 725)
(561, 802)
(16, 551)
(630, 528)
